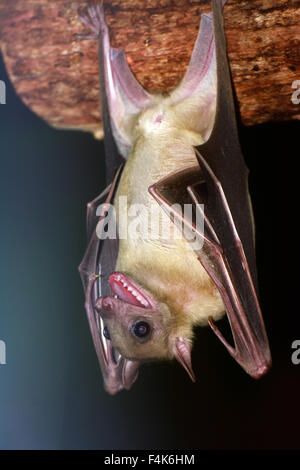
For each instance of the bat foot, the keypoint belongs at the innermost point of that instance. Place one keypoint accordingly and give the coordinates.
(93, 18)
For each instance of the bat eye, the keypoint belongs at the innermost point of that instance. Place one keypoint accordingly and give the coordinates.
(106, 333)
(141, 329)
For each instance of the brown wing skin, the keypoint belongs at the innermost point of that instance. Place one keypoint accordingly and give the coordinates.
(228, 269)
(229, 208)
(228, 252)
(101, 254)
(97, 264)
(222, 150)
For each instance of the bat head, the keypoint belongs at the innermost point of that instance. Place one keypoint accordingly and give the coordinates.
(139, 326)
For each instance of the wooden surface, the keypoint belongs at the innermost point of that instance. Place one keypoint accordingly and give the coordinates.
(56, 74)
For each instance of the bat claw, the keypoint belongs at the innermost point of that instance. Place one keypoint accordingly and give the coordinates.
(92, 17)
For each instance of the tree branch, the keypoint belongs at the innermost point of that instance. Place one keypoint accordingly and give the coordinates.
(56, 74)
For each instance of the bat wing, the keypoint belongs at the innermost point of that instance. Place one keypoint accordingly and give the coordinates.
(101, 254)
(228, 251)
(98, 262)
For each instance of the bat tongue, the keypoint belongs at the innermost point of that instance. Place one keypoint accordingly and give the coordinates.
(126, 290)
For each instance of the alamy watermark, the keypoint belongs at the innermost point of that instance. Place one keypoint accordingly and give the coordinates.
(149, 222)
(295, 98)
(2, 352)
(296, 354)
(2, 92)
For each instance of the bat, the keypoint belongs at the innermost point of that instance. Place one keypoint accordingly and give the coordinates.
(148, 287)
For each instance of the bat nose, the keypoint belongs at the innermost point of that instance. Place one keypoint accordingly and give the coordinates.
(104, 305)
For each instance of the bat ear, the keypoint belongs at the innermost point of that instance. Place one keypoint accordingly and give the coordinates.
(195, 96)
(182, 352)
(124, 96)
(130, 373)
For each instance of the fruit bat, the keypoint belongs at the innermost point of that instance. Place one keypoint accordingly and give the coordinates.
(144, 291)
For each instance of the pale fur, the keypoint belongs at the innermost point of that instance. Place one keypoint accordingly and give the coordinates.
(170, 271)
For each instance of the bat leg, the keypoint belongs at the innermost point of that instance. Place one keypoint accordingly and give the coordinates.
(86, 36)
(122, 96)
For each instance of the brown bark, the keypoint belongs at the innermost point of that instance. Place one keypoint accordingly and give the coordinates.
(56, 74)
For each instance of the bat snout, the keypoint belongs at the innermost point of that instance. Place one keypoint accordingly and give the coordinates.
(111, 307)
(105, 306)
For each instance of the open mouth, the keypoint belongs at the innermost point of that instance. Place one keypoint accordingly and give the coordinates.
(125, 289)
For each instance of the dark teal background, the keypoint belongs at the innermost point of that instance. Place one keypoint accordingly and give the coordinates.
(51, 394)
